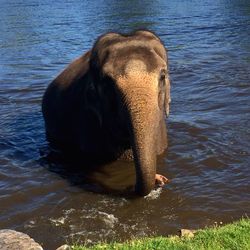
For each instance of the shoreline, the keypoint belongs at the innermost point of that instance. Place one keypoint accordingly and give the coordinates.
(235, 235)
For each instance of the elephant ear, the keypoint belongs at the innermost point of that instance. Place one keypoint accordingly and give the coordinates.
(167, 96)
(164, 97)
(160, 50)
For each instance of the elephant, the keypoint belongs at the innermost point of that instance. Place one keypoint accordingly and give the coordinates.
(112, 103)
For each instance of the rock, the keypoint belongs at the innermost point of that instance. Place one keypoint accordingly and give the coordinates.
(13, 240)
(64, 247)
(187, 233)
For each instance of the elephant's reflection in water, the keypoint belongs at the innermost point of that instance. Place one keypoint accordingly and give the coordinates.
(115, 178)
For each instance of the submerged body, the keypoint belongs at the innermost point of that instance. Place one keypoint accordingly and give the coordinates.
(111, 103)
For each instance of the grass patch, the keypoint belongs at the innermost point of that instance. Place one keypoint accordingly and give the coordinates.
(231, 236)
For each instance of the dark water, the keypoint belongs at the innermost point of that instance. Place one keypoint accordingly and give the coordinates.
(209, 127)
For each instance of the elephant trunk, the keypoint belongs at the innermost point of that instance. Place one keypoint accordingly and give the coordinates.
(143, 130)
(145, 165)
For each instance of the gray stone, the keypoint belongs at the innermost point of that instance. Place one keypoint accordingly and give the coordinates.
(13, 240)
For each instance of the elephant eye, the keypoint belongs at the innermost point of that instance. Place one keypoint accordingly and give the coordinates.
(162, 75)
(162, 79)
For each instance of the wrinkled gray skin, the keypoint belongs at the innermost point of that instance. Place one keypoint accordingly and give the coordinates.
(111, 103)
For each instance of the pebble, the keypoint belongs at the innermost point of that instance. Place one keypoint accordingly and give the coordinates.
(64, 247)
(187, 233)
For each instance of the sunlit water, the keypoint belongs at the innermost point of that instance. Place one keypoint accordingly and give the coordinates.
(208, 158)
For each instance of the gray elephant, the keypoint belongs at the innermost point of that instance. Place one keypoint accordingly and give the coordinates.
(111, 103)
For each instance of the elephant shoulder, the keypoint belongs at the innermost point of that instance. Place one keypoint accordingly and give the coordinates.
(67, 81)
(65, 90)
(74, 72)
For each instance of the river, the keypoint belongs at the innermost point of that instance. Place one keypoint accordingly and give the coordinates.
(208, 158)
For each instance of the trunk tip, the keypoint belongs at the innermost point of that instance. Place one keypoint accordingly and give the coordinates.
(142, 190)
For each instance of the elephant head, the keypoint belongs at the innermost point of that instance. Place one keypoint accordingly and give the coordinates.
(135, 69)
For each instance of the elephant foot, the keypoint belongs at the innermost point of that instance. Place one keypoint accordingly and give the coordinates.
(160, 180)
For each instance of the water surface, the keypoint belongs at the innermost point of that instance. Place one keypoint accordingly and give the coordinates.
(209, 153)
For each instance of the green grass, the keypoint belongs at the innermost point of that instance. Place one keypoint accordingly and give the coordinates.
(231, 236)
